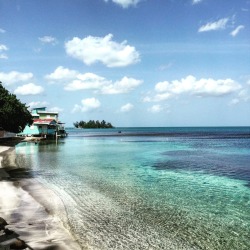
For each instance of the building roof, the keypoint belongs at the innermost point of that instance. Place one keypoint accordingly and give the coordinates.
(44, 121)
(39, 108)
(46, 112)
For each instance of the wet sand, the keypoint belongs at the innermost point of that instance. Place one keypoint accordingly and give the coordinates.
(30, 209)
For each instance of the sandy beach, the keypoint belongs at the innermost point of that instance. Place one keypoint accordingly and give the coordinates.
(30, 210)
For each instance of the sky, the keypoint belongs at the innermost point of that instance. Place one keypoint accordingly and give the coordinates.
(130, 62)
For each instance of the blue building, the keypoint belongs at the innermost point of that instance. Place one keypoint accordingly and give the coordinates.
(45, 123)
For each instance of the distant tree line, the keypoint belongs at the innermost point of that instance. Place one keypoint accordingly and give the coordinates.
(93, 124)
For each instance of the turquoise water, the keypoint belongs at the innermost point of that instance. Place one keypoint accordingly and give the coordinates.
(150, 188)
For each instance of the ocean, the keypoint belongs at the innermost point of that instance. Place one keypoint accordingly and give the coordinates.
(149, 188)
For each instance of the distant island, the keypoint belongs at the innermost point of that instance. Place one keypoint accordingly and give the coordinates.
(93, 124)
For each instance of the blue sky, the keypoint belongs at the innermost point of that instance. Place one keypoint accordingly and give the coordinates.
(130, 62)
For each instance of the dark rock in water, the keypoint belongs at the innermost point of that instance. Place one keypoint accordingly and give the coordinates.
(3, 223)
(8, 232)
(18, 244)
(51, 248)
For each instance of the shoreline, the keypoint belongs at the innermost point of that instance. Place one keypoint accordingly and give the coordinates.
(31, 209)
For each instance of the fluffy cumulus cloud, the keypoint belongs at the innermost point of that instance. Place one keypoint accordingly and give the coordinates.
(75, 81)
(86, 81)
(88, 104)
(15, 77)
(211, 26)
(61, 73)
(48, 40)
(190, 85)
(29, 89)
(162, 97)
(125, 3)
(125, 85)
(102, 49)
(237, 30)
(202, 87)
(127, 107)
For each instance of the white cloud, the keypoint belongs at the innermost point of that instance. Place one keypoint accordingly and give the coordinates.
(202, 87)
(244, 95)
(29, 89)
(146, 99)
(102, 85)
(3, 56)
(48, 39)
(55, 109)
(2, 31)
(234, 102)
(127, 107)
(162, 97)
(157, 97)
(102, 49)
(219, 25)
(125, 85)
(3, 47)
(155, 109)
(165, 66)
(87, 105)
(15, 77)
(125, 3)
(86, 81)
(237, 30)
(196, 1)
(61, 73)
(192, 86)
(44, 104)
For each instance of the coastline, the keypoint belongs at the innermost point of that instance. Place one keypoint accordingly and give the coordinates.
(31, 209)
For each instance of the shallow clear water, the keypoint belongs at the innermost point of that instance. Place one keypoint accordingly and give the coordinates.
(161, 188)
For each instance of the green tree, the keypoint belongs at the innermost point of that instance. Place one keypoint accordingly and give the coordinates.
(82, 124)
(98, 124)
(93, 124)
(103, 124)
(109, 125)
(76, 124)
(14, 115)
